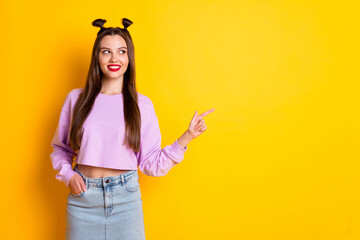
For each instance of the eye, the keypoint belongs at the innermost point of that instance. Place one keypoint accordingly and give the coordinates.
(108, 51)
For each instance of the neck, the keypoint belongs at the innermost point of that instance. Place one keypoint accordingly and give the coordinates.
(111, 86)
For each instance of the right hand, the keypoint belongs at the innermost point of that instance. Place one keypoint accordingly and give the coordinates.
(197, 125)
(76, 184)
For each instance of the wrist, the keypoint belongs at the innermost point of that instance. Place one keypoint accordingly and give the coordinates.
(188, 135)
(185, 139)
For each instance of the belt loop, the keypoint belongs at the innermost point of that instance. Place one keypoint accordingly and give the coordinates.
(86, 183)
(122, 179)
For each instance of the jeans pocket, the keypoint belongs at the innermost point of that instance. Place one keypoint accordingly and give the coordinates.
(132, 184)
(77, 195)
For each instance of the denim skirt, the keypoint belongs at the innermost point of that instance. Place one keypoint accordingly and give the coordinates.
(110, 209)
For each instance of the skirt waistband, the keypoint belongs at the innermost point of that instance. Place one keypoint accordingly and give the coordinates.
(107, 181)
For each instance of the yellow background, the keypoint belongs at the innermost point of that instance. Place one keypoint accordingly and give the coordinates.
(280, 157)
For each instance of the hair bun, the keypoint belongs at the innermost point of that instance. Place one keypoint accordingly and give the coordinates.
(126, 22)
(99, 22)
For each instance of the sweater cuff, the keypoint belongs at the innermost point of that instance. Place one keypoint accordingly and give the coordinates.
(184, 149)
(177, 151)
(65, 174)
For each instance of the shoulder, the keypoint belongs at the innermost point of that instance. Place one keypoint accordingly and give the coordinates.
(75, 92)
(71, 98)
(144, 101)
(146, 106)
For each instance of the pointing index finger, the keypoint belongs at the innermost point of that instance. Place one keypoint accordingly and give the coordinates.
(207, 112)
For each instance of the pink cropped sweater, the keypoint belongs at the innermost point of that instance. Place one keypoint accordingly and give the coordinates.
(103, 133)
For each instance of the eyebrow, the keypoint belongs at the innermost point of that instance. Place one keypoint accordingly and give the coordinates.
(109, 48)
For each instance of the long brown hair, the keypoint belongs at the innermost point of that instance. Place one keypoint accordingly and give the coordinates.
(87, 97)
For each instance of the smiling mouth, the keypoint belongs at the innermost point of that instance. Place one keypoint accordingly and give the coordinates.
(114, 68)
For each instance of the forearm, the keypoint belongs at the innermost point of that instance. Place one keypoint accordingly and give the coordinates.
(185, 139)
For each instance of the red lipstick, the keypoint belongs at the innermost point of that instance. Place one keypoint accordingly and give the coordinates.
(114, 67)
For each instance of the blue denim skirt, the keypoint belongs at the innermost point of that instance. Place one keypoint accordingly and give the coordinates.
(110, 209)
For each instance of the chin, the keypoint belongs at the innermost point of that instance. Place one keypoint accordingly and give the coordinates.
(114, 76)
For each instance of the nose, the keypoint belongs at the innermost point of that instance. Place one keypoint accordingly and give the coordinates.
(113, 57)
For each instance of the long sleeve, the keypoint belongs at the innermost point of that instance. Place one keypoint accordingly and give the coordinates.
(62, 155)
(152, 160)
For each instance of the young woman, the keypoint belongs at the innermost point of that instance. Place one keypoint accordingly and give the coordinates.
(111, 129)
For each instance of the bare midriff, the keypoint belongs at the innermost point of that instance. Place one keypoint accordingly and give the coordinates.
(99, 172)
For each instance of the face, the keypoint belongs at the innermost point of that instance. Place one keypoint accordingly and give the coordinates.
(113, 57)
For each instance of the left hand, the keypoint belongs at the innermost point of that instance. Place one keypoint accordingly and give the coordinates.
(197, 125)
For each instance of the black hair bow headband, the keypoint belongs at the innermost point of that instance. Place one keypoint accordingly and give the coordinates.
(100, 23)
